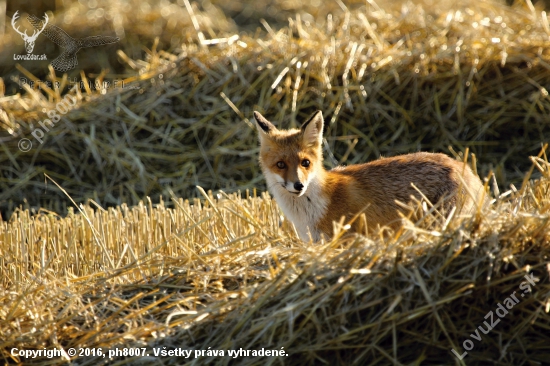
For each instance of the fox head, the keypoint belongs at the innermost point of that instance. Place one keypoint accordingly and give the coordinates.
(291, 158)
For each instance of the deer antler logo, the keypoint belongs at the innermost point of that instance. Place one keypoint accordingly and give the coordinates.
(29, 40)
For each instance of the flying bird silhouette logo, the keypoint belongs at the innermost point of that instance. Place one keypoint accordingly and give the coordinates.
(70, 46)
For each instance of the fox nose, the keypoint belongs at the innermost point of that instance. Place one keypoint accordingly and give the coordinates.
(298, 186)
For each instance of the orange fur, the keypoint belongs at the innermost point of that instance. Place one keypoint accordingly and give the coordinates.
(372, 188)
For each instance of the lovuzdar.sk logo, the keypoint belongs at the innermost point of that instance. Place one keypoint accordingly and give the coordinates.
(29, 40)
(69, 45)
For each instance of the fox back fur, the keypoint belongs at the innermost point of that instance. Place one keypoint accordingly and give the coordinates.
(312, 198)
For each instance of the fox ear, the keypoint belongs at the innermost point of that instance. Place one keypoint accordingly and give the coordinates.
(312, 129)
(264, 126)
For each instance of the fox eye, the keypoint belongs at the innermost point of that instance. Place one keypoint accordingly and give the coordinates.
(305, 163)
(281, 165)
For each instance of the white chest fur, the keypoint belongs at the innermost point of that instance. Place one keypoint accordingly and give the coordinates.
(304, 211)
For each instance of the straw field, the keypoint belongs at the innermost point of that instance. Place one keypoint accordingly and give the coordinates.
(141, 221)
(405, 78)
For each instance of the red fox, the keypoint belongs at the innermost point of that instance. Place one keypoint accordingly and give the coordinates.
(312, 198)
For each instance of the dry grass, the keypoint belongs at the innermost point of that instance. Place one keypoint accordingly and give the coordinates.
(222, 273)
(393, 80)
(226, 271)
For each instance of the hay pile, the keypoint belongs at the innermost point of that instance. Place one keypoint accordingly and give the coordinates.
(390, 80)
(226, 272)
(222, 274)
